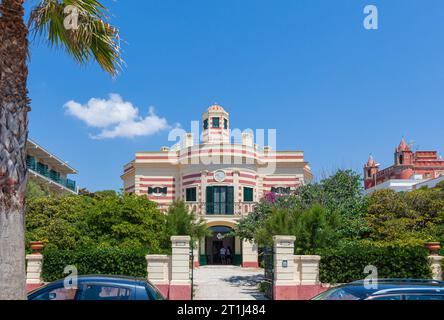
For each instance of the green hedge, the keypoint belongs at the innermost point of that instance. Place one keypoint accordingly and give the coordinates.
(126, 262)
(347, 264)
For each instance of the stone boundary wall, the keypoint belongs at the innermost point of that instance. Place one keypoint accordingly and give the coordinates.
(296, 277)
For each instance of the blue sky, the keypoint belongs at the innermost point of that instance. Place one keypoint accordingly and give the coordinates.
(307, 68)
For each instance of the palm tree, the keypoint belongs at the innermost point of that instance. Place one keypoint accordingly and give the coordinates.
(90, 39)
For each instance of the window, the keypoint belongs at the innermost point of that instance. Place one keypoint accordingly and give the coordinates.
(60, 293)
(157, 191)
(220, 200)
(281, 190)
(191, 195)
(205, 124)
(337, 294)
(30, 162)
(216, 123)
(105, 292)
(248, 194)
(225, 124)
(389, 297)
(42, 169)
(424, 297)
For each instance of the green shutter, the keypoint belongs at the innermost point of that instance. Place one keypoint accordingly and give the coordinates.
(230, 200)
(210, 200)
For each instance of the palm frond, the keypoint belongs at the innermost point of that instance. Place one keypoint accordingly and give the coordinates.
(94, 39)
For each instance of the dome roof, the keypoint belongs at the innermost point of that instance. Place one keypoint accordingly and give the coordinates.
(216, 107)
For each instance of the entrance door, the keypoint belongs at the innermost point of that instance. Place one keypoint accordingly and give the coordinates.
(220, 200)
(214, 243)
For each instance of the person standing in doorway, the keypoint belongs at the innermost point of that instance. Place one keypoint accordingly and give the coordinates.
(222, 254)
(228, 255)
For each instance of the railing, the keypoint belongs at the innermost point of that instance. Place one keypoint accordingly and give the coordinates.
(52, 175)
(221, 208)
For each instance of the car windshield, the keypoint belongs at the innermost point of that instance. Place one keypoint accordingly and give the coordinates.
(337, 294)
(153, 290)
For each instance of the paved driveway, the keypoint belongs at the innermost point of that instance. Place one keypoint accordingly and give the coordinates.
(227, 283)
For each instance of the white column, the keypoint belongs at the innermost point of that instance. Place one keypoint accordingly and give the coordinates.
(237, 245)
(237, 191)
(436, 266)
(249, 255)
(34, 268)
(204, 183)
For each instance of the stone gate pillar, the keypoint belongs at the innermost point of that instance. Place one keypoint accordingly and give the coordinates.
(284, 282)
(180, 284)
(34, 270)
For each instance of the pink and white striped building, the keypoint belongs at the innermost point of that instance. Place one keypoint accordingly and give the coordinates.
(221, 178)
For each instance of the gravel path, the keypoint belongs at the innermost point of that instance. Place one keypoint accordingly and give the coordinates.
(227, 283)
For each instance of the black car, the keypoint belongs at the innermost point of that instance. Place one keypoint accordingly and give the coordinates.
(98, 288)
(387, 289)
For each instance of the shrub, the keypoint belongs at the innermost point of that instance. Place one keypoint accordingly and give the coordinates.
(125, 262)
(346, 264)
(104, 219)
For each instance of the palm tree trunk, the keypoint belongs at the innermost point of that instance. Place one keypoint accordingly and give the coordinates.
(14, 106)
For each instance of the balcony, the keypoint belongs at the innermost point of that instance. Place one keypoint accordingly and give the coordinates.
(209, 209)
(42, 170)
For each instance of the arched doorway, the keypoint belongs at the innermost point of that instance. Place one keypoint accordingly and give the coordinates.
(213, 244)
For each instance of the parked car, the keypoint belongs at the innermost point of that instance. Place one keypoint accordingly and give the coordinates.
(387, 289)
(98, 288)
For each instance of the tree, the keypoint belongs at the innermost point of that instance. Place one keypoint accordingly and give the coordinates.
(35, 190)
(313, 227)
(246, 228)
(341, 195)
(181, 222)
(440, 186)
(91, 38)
(316, 229)
(415, 216)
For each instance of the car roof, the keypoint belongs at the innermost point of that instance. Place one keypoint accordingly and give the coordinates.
(394, 286)
(108, 278)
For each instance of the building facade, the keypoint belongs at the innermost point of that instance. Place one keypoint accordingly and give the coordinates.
(409, 169)
(219, 179)
(48, 170)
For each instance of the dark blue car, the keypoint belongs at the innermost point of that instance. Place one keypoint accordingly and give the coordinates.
(387, 289)
(98, 288)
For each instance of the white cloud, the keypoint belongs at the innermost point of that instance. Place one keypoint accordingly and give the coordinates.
(116, 118)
